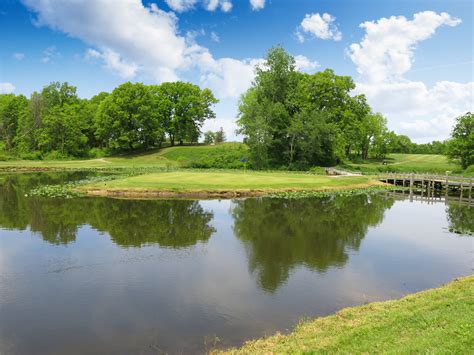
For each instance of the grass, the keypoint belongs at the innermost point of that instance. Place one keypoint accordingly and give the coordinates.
(249, 182)
(434, 321)
(418, 163)
(178, 156)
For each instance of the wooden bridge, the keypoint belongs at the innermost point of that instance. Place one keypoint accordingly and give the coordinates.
(429, 182)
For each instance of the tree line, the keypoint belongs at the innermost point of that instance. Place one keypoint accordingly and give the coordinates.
(56, 123)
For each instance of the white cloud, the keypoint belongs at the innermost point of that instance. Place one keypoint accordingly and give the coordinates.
(320, 26)
(215, 37)
(114, 62)
(49, 54)
(213, 5)
(257, 4)
(304, 64)
(18, 56)
(386, 51)
(139, 39)
(418, 111)
(227, 77)
(6, 88)
(385, 54)
(181, 5)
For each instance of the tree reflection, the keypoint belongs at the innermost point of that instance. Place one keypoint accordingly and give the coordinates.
(280, 235)
(460, 219)
(130, 223)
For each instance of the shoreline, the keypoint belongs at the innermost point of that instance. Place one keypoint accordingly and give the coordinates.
(432, 320)
(211, 194)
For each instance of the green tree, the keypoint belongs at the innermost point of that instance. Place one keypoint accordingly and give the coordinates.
(12, 107)
(209, 137)
(184, 107)
(461, 145)
(219, 136)
(129, 119)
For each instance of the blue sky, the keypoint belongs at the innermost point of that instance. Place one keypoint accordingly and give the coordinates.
(413, 60)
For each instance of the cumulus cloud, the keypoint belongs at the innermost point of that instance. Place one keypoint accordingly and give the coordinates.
(114, 62)
(304, 64)
(382, 58)
(319, 26)
(6, 88)
(213, 5)
(181, 5)
(387, 49)
(257, 4)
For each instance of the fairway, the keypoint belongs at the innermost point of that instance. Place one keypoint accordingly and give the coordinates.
(417, 163)
(226, 181)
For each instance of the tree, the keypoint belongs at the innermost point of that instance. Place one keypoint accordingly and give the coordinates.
(219, 136)
(373, 134)
(295, 120)
(129, 119)
(461, 145)
(184, 107)
(12, 107)
(265, 109)
(209, 137)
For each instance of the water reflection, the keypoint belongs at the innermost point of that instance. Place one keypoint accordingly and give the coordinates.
(280, 235)
(129, 223)
(87, 284)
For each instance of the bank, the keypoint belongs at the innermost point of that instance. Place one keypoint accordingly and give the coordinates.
(439, 320)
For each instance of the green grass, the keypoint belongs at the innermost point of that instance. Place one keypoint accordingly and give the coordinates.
(188, 180)
(179, 156)
(407, 163)
(435, 321)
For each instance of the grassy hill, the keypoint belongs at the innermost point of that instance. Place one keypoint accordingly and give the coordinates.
(229, 156)
(226, 155)
(420, 163)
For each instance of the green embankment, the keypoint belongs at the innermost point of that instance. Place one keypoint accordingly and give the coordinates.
(407, 163)
(434, 321)
(229, 155)
(224, 182)
(226, 155)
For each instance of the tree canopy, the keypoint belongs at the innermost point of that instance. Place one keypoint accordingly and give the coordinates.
(296, 120)
(56, 123)
(461, 145)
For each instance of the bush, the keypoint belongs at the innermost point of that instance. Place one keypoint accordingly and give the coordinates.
(35, 155)
(226, 157)
(317, 170)
(54, 155)
(95, 153)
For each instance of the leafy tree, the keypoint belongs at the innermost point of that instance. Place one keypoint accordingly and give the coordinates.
(183, 107)
(12, 107)
(209, 137)
(219, 136)
(461, 145)
(129, 119)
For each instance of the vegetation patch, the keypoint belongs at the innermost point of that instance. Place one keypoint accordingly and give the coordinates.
(339, 192)
(433, 321)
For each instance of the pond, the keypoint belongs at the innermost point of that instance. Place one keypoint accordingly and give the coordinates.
(97, 275)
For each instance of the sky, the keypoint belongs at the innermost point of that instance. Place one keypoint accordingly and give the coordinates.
(413, 59)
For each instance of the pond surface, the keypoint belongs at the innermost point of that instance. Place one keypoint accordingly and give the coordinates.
(96, 275)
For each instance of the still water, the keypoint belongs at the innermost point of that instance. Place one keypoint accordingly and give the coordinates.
(96, 275)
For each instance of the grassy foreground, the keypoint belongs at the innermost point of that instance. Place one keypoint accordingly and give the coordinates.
(435, 321)
(223, 182)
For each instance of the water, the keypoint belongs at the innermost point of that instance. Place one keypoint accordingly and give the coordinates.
(95, 275)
